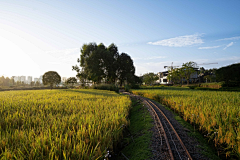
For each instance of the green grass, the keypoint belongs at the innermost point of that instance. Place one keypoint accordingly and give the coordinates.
(139, 140)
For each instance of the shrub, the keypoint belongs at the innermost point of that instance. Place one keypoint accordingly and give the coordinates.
(192, 87)
(110, 87)
(127, 88)
(135, 86)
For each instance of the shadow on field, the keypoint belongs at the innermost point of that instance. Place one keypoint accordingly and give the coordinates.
(166, 88)
(94, 92)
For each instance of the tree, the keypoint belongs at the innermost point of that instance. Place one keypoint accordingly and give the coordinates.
(12, 82)
(138, 80)
(91, 61)
(188, 69)
(71, 80)
(98, 63)
(32, 83)
(126, 69)
(150, 78)
(229, 74)
(51, 78)
(181, 74)
(112, 63)
(37, 83)
(174, 75)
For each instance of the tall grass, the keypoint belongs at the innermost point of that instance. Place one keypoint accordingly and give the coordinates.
(216, 113)
(60, 124)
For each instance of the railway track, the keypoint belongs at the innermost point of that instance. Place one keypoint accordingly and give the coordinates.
(171, 146)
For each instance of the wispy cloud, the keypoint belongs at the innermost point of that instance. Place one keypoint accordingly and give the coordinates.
(229, 39)
(230, 44)
(209, 47)
(149, 58)
(180, 41)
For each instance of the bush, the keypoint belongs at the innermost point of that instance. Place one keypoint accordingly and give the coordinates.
(231, 84)
(135, 86)
(192, 87)
(205, 88)
(127, 88)
(110, 87)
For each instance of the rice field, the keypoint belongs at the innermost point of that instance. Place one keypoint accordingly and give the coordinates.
(60, 124)
(217, 114)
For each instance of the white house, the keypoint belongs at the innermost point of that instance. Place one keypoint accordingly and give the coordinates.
(163, 77)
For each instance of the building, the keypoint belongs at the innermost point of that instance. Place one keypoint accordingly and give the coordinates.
(29, 80)
(36, 80)
(41, 79)
(23, 79)
(15, 78)
(163, 77)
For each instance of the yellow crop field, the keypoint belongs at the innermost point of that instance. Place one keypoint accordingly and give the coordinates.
(216, 113)
(60, 124)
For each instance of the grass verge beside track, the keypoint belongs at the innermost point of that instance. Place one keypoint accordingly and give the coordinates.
(138, 134)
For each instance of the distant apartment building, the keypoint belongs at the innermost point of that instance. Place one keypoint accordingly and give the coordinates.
(15, 78)
(41, 79)
(23, 79)
(19, 79)
(36, 80)
(29, 80)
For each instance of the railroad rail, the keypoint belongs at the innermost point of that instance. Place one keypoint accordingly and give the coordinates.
(171, 146)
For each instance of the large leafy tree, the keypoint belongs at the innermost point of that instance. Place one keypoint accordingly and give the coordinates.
(92, 62)
(98, 62)
(229, 74)
(126, 69)
(150, 78)
(51, 78)
(71, 80)
(174, 75)
(112, 63)
(188, 69)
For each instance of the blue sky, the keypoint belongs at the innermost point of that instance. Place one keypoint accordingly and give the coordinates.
(38, 36)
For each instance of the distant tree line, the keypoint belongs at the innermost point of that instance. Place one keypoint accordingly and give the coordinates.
(6, 81)
(229, 74)
(101, 64)
(9, 82)
(208, 75)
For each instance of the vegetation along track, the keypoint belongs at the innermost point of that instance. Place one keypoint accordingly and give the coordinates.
(171, 145)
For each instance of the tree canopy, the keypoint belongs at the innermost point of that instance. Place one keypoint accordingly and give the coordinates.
(229, 74)
(51, 78)
(188, 69)
(100, 63)
(177, 74)
(71, 80)
(150, 78)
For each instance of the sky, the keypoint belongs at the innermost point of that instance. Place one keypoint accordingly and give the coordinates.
(41, 36)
